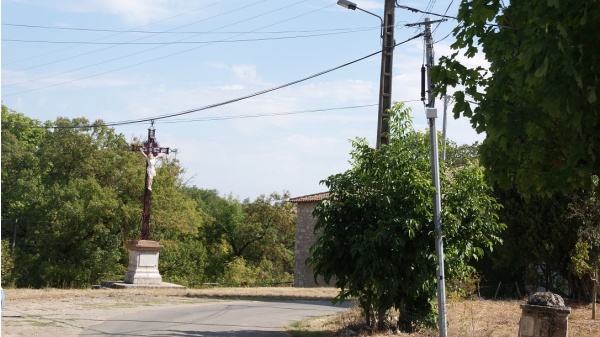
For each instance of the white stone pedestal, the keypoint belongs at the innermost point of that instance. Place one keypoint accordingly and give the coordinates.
(143, 262)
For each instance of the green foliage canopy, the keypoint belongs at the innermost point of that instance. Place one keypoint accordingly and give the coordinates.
(537, 102)
(64, 199)
(375, 230)
(248, 241)
(72, 197)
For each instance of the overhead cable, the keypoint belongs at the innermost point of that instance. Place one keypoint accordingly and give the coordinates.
(192, 42)
(157, 32)
(150, 24)
(128, 55)
(221, 118)
(426, 12)
(262, 92)
(141, 38)
(157, 58)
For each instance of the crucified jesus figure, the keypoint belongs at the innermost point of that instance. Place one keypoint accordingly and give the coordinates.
(151, 167)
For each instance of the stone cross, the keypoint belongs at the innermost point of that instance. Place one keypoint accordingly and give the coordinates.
(152, 151)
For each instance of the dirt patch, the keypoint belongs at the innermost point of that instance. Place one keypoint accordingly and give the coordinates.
(56, 312)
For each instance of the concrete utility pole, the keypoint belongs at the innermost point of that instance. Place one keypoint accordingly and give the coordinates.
(446, 99)
(431, 113)
(385, 88)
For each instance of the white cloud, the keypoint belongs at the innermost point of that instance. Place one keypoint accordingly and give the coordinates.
(370, 4)
(339, 91)
(245, 72)
(136, 12)
(231, 87)
(443, 49)
(17, 81)
(312, 144)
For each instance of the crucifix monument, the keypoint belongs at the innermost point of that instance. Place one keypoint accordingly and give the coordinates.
(151, 151)
(143, 253)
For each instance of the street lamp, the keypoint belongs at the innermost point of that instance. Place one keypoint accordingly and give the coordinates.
(387, 53)
(347, 4)
(351, 5)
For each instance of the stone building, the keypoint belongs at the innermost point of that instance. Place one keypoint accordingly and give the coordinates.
(305, 238)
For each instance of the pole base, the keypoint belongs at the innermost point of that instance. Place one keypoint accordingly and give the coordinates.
(143, 262)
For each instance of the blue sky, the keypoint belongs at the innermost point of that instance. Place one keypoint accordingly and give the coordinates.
(126, 60)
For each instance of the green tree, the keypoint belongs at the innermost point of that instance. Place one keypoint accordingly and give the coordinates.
(539, 237)
(460, 155)
(7, 264)
(270, 247)
(585, 258)
(20, 171)
(250, 238)
(222, 213)
(72, 196)
(68, 229)
(177, 223)
(537, 101)
(376, 231)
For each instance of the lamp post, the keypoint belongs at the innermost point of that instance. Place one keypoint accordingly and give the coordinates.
(385, 81)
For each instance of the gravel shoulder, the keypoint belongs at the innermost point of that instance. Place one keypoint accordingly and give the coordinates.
(56, 312)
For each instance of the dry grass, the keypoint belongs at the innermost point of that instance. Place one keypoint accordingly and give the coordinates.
(466, 318)
(264, 293)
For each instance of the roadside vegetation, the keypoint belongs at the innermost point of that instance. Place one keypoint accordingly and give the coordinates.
(520, 210)
(72, 197)
(466, 318)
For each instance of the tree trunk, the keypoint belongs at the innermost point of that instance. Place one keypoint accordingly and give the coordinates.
(366, 306)
(381, 320)
(595, 291)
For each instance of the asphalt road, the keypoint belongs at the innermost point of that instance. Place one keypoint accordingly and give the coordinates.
(231, 319)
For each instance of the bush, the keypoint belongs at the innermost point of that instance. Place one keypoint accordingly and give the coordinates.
(8, 263)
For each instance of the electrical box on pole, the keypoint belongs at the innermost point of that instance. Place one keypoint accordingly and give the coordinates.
(431, 113)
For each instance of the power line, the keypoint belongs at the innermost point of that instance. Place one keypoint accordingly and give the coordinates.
(221, 118)
(444, 15)
(431, 5)
(446, 12)
(211, 106)
(442, 39)
(184, 32)
(141, 38)
(426, 12)
(275, 114)
(155, 22)
(193, 42)
(154, 59)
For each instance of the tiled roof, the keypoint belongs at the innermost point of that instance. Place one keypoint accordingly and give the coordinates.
(310, 197)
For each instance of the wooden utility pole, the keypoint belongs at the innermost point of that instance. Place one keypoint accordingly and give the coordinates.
(385, 86)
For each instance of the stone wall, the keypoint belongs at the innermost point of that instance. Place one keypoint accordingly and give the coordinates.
(305, 238)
